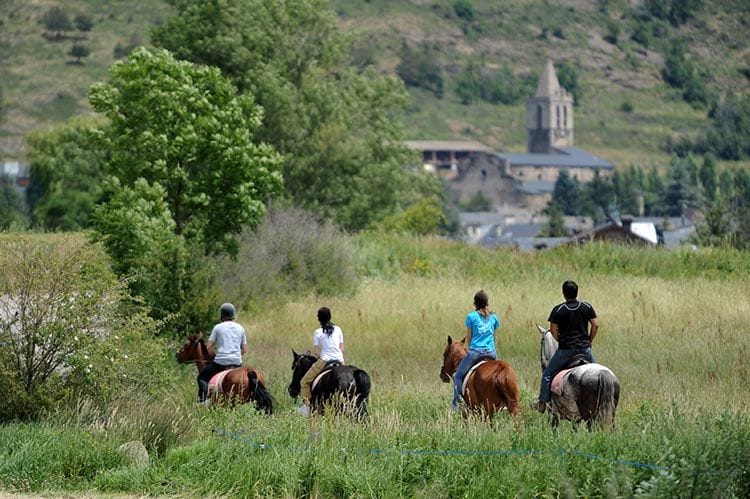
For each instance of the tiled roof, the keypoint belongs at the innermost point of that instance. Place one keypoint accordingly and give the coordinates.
(566, 157)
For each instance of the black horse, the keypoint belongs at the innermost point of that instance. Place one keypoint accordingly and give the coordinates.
(341, 387)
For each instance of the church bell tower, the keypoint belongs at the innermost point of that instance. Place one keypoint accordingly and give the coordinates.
(549, 115)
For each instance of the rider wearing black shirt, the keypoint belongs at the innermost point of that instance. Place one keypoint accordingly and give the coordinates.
(569, 324)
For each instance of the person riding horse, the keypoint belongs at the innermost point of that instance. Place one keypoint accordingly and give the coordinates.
(481, 325)
(231, 342)
(569, 325)
(328, 346)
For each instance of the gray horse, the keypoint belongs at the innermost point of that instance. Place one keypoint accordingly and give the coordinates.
(587, 392)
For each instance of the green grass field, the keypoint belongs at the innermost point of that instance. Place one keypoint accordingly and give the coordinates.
(673, 331)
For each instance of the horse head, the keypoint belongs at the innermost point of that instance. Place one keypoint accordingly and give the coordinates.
(548, 345)
(193, 350)
(301, 363)
(452, 355)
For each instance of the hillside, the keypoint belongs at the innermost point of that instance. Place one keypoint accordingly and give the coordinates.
(625, 111)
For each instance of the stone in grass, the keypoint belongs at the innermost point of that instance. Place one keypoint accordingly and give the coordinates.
(135, 452)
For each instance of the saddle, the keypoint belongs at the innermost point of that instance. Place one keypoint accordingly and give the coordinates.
(216, 381)
(559, 380)
(578, 360)
(480, 360)
(326, 370)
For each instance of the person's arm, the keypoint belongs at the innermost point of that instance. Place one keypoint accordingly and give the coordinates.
(468, 336)
(555, 331)
(594, 328)
(243, 349)
(210, 348)
(316, 350)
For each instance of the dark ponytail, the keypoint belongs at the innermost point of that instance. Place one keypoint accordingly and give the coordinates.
(482, 301)
(324, 317)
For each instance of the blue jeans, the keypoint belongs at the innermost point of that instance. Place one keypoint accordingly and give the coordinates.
(463, 368)
(557, 363)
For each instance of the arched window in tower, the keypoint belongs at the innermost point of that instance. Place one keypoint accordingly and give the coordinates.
(565, 116)
(557, 116)
(538, 117)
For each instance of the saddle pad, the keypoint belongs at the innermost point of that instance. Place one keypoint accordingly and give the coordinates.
(214, 384)
(469, 373)
(559, 380)
(318, 378)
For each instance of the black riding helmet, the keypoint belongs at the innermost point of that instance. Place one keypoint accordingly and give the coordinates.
(227, 311)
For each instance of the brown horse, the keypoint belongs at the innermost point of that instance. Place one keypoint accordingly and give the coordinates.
(490, 388)
(243, 384)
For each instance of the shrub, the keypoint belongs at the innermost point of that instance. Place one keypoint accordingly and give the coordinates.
(290, 252)
(68, 325)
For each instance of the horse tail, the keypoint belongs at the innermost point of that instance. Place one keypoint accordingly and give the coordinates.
(258, 392)
(608, 397)
(362, 383)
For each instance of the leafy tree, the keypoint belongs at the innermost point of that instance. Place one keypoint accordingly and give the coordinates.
(57, 20)
(627, 184)
(183, 127)
(464, 9)
(654, 192)
(422, 218)
(468, 85)
(567, 194)
(420, 67)
(83, 23)
(598, 195)
(504, 87)
(138, 231)
(334, 124)
(78, 51)
(715, 230)
(680, 191)
(728, 136)
(555, 224)
(67, 169)
(478, 202)
(708, 178)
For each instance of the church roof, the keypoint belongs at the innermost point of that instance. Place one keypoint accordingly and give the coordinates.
(564, 157)
(549, 86)
(447, 145)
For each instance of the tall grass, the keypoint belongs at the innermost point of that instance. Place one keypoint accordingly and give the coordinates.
(672, 331)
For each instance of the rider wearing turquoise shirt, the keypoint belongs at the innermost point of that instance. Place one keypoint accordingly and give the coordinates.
(481, 325)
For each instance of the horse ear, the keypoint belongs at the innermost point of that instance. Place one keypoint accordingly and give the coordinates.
(200, 335)
(450, 340)
(541, 329)
(463, 340)
(296, 355)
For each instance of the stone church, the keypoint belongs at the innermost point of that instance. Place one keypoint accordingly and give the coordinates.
(518, 179)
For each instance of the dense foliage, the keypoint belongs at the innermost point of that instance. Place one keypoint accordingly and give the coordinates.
(65, 321)
(343, 154)
(67, 170)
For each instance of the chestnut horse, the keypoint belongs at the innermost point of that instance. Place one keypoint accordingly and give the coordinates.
(490, 388)
(245, 384)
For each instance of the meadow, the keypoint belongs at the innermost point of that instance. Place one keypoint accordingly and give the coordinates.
(673, 329)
